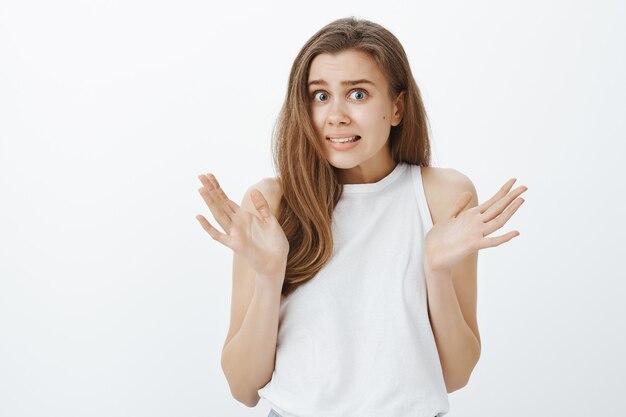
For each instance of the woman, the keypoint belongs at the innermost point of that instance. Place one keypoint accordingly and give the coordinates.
(354, 271)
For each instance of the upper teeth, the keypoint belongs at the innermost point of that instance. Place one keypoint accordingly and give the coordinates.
(342, 139)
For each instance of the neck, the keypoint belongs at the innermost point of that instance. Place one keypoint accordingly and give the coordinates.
(366, 173)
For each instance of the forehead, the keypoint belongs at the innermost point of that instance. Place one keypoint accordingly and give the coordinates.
(345, 65)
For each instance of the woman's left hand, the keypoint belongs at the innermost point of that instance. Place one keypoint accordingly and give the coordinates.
(460, 233)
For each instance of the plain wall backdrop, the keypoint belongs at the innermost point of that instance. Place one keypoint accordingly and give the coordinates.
(115, 302)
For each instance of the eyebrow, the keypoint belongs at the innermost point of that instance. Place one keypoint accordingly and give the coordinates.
(347, 82)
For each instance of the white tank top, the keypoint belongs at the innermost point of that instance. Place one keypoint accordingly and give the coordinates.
(356, 339)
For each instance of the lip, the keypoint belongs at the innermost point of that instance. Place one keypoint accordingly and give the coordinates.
(341, 135)
(343, 146)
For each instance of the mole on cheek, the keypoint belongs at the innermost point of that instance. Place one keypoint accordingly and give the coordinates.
(383, 117)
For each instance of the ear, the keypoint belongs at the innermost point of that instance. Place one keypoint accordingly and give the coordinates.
(398, 109)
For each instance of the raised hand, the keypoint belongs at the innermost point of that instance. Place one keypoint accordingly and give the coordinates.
(259, 239)
(460, 233)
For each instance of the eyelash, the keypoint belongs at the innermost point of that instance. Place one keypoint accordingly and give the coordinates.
(356, 89)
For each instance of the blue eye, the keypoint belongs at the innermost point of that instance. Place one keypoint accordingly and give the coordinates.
(361, 97)
(318, 92)
(362, 92)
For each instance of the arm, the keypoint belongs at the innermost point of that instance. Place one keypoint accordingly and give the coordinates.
(450, 264)
(260, 250)
(452, 294)
(248, 358)
(249, 352)
(458, 346)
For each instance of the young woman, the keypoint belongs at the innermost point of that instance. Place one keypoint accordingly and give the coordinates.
(354, 271)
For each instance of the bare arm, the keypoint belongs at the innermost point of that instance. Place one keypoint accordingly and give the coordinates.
(259, 262)
(248, 359)
(458, 347)
(450, 264)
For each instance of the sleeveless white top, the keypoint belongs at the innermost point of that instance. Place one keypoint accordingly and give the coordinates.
(356, 339)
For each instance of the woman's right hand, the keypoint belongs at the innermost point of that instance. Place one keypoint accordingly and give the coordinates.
(260, 240)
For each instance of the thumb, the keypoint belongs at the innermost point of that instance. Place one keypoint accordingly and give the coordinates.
(260, 204)
(461, 202)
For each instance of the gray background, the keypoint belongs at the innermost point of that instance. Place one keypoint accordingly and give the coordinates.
(114, 301)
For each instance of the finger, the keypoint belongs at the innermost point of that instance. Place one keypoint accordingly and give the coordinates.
(215, 234)
(260, 204)
(490, 242)
(222, 215)
(211, 183)
(221, 194)
(462, 202)
(217, 194)
(501, 220)
(503, 191)
(502, 203)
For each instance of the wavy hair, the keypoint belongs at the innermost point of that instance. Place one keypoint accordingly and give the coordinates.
(309, 182)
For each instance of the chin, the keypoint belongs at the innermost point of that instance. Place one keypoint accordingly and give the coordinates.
(343, 163)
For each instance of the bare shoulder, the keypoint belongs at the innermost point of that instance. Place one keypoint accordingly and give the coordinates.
(271, 190)
(443, 186)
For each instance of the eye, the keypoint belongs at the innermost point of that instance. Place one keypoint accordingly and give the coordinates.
(362, 93)
(323, 96)
(319, 92)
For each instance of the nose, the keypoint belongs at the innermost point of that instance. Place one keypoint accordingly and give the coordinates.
(337, 114)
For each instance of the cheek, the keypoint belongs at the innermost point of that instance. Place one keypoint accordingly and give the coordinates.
(374, 118)
(317, 119)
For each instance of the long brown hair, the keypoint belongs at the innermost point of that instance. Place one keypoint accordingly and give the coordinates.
(309, 183)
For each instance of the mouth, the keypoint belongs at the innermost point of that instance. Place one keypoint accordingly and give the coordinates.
(344, 139)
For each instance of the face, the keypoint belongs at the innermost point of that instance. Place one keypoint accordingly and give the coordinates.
(349, 96)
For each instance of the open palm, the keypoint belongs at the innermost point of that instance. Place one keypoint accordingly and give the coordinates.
(259, 239)
(461, 232)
